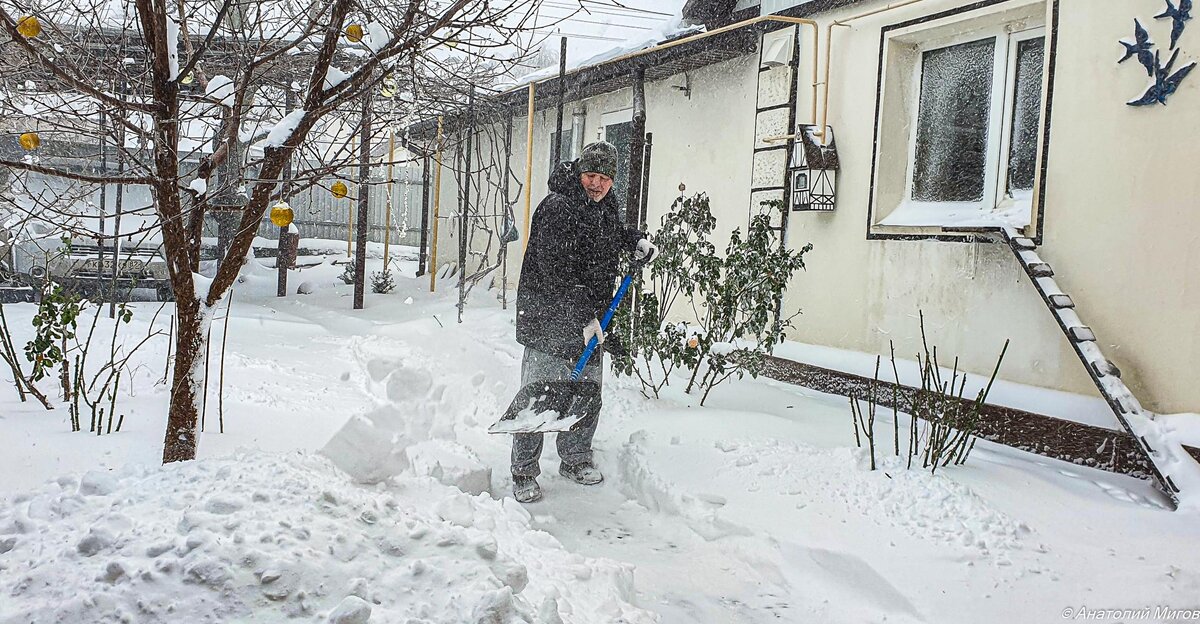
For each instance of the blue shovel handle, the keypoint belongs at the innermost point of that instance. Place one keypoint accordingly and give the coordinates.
(612, 309)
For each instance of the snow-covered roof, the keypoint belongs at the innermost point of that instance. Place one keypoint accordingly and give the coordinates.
(667, 31)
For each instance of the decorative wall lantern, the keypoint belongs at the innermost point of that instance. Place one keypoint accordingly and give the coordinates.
(813, 171)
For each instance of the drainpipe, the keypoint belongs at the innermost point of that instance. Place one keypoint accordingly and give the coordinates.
(645, 181)
(578, 128)
(636, 146)
(562, 97)
(820, 132)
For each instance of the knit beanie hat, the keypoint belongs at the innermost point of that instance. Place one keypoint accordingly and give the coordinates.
(599, 157)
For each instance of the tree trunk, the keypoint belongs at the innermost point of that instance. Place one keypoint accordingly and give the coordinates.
(186, 381)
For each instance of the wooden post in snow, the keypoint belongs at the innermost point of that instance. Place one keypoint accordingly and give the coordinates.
(364, 194)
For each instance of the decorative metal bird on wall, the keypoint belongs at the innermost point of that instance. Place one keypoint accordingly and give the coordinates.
(1165, 83)
(1140, 48)
(1178, 17)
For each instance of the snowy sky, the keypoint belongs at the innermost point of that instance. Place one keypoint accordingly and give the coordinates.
(604, 24)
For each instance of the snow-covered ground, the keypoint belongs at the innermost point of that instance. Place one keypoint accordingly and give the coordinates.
(754, 508)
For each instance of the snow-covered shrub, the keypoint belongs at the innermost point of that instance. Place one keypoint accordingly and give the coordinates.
(942, 424)
(347, 275)
(382, 282)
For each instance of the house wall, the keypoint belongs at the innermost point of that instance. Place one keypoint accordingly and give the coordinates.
(688, 148)
(1118, 230)
(1120, 225)
(1121, 200)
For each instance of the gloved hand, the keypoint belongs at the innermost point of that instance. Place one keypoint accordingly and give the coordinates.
(645, 250)
(593, 329)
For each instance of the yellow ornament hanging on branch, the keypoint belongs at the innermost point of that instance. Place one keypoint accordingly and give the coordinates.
(29, 26)
(354, 33)
(282, 214)
(30, 141)
(339, 190)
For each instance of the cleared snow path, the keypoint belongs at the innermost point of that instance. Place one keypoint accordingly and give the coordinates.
(686, 567)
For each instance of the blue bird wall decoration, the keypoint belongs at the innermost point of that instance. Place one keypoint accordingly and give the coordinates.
(1165, 83)
(1178, 16)
(1140, 48)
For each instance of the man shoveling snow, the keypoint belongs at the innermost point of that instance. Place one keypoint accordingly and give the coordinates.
(567, 276)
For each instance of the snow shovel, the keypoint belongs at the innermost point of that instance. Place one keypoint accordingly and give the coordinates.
(556, 406)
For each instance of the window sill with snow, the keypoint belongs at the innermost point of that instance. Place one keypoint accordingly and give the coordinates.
(958, 128)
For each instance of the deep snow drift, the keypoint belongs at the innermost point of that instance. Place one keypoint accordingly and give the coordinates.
(287, 535)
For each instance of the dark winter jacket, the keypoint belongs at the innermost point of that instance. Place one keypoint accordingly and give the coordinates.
(570, 265)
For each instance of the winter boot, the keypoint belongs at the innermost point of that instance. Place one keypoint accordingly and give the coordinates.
(526, 489)
(584, 473)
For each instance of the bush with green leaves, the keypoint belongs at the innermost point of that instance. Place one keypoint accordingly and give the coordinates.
(58, 342)
(685, 259)
(716, 317)
(54, 323)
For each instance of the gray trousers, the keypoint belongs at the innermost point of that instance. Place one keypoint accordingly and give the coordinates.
(575, 446)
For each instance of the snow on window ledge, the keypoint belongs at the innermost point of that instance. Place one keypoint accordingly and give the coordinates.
(1015, 214)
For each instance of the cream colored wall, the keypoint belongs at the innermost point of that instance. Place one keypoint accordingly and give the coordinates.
(689, 147)
(1119, 231)
(447, 253)
(698, 141)
(1122, 214)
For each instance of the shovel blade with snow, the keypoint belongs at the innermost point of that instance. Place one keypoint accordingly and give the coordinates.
(548, 406)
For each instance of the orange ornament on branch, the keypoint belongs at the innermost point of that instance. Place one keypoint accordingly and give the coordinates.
(30, 141)
(29, 26)
(282, 214)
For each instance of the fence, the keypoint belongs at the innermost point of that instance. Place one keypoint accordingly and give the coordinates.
(321, 215)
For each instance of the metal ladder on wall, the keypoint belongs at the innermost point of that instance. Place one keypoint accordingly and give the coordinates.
(774, 122)
(1129, 412)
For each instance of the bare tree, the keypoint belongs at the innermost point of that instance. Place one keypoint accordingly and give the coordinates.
(208, 104)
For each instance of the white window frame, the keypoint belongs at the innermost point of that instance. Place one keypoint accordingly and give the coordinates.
(616, 117)
(1007, 200)
(995, 183)
(569, 154)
